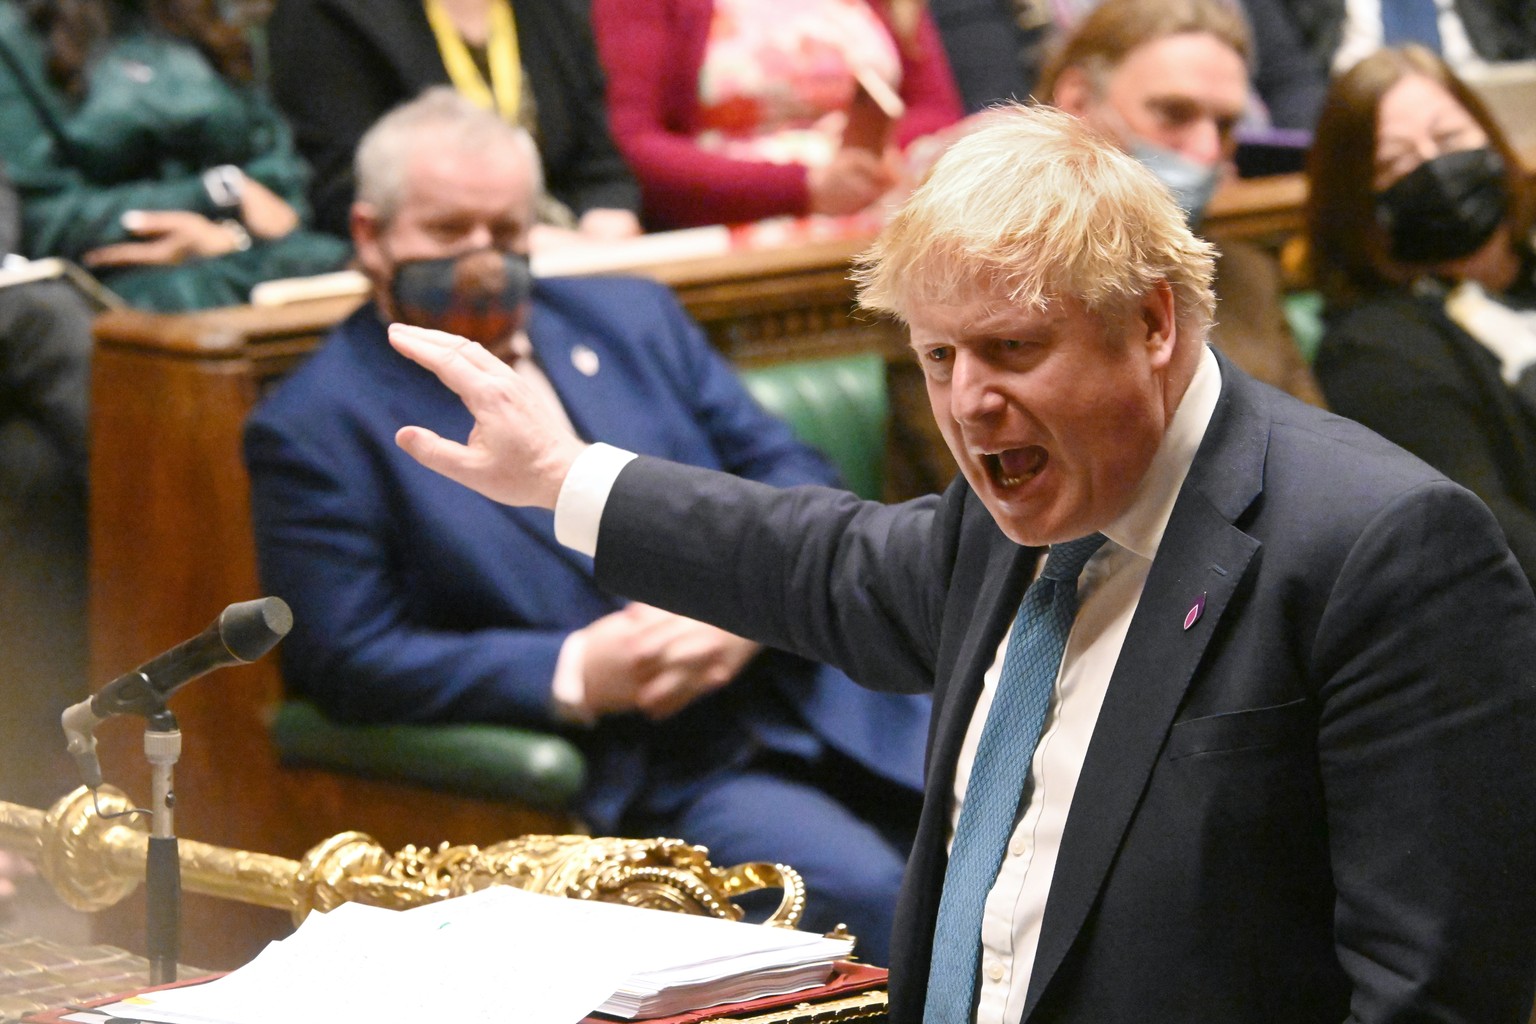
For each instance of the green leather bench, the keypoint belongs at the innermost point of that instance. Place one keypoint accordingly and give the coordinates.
(838, 406)
(1304, 314)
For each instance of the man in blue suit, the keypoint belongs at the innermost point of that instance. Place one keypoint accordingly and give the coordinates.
(416, 600)
(1258, 754)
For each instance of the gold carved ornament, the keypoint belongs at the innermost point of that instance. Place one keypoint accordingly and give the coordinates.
(92, 850)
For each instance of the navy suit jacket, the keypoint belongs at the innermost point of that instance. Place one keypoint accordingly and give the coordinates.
(1314, 804)
(416, 599)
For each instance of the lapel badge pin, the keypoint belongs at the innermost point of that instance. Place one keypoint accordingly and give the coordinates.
(1195, 611)
(585, 360)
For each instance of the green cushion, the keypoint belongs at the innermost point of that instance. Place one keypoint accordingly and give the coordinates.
(838, 406)
(494, 761)
(1304, 312)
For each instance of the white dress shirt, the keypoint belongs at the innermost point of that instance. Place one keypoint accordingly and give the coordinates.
(1108, 591)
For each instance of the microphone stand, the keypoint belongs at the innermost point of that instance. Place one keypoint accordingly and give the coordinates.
(162, 865)
(242, 633)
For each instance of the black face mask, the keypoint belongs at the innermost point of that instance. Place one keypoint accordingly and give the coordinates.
(481, 295)
(1445, 208)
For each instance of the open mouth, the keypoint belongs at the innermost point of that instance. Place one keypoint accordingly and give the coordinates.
(1016, 465)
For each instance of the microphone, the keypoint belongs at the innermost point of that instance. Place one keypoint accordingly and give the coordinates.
(242, 633)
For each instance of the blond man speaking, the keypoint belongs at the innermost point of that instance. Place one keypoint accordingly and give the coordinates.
(1233, 700)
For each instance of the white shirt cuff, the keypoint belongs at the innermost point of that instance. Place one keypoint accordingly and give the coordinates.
(569, 689)
(579, 508)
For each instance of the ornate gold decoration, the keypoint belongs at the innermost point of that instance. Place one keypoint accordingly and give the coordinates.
(872, 1006)
(94, 857)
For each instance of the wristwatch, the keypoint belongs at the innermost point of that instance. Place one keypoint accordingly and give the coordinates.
(226, 187)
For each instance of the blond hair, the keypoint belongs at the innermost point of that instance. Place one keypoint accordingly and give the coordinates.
(1034, 205)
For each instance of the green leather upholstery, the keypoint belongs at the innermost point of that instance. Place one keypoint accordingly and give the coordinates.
(1304, 313)
(492, 761)
(838, 406)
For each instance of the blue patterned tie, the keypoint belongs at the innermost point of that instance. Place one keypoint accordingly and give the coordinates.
(1000, 777)
(1410, 21)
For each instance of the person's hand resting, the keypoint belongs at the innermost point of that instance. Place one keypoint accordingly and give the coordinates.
(518, 452)
(166, 238)
(264, 213)
(595, 226)
(606, 224)
(652, 661)
(852, 181)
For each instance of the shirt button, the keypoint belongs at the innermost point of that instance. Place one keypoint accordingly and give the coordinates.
(1019, 846)
(994, 970)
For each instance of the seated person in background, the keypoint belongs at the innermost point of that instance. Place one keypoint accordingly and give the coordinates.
(1168, 80)
(1420, 223)
(45, 363)
(416, 600)
(733, 110)
(340, 65)
(45, 353)
(1302, 42)
(142, 151)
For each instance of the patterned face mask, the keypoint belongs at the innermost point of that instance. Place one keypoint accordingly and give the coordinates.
(481, 295)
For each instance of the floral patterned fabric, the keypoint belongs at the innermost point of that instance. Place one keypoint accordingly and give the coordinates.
(778, 76)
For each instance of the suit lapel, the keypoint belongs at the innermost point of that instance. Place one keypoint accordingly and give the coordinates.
(593, 394)
(1008, 571)
(1202, 553)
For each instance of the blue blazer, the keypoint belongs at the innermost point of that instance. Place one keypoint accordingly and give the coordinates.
(416, 599)
(1314, 804)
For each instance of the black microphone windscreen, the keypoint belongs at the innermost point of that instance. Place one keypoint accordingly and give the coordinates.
(252, 628)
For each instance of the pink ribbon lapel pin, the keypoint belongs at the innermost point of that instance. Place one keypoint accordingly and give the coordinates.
(1195, 611)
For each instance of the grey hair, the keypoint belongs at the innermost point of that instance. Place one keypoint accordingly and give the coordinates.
(439, 117)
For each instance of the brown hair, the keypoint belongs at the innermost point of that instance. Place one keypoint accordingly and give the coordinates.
(1348, 249)
(73, 29)
(1116, 27)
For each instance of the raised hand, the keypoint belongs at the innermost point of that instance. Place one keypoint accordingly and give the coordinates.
(519, 451)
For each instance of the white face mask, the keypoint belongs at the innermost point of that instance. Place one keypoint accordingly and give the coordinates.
(1191, 183)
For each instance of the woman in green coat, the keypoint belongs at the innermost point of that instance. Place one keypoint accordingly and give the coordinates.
(143, 151)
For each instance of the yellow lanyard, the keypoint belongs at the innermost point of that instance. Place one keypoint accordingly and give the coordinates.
(504, 94)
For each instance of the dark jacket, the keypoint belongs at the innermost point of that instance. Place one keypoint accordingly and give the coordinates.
(1313, 804)
(339, 65)
(155, 115)
(1402, 367)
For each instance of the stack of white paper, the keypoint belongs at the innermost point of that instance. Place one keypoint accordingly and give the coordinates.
(495, 956)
